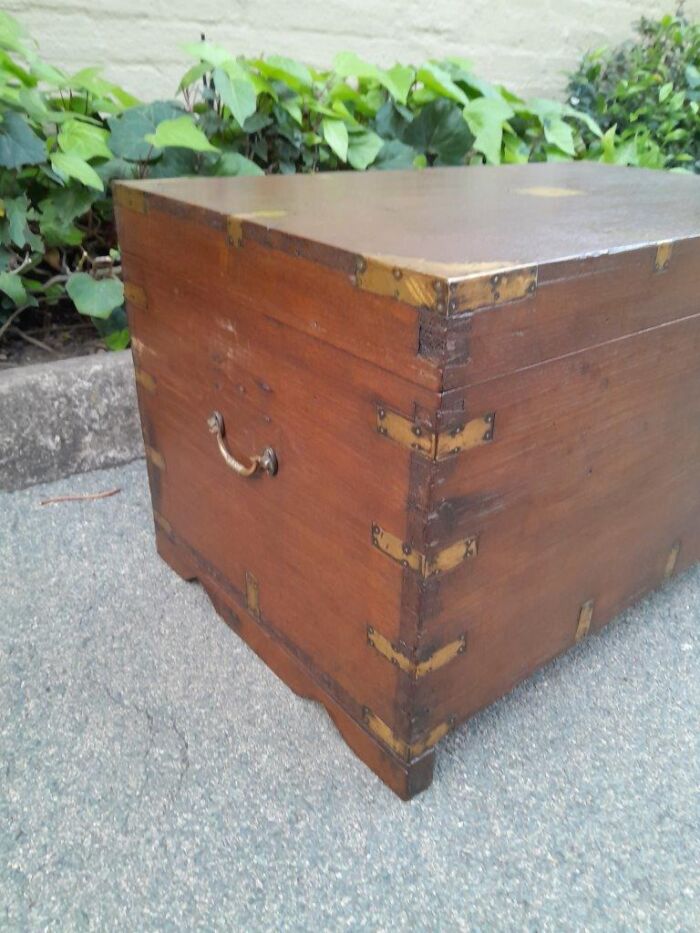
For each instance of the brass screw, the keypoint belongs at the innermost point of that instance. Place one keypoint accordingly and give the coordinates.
(397, 273)
(361, 264)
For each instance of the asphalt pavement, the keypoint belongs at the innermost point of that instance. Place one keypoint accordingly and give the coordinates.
(155, 775)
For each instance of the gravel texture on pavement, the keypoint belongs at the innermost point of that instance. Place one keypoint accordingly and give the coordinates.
(155, 775)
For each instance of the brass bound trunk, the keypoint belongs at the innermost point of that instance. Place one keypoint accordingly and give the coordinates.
(417, 433)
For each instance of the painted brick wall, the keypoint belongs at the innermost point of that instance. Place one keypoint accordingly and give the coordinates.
(527, 44)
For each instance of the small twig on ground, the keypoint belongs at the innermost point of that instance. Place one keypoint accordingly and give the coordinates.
(33, 340)
(8, 322)
(82, 497)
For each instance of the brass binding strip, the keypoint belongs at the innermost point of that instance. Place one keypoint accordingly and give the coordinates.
(584, 619)
(162, 522)
(416, 669)
(415, 288)
(492, 290)
(133, 199)
(404, 554)
(155, 456)
(134, 294)
(405, 750)
(234, 224)
(444, 295)
(435, 445)
(671, 560)
(663, 256)
(252, 594)
(145, 379)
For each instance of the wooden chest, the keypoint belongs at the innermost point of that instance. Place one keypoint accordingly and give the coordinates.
(474, 395)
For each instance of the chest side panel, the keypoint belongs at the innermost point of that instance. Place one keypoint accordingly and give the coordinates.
(209, 335)
(585, 499)
(576, 304)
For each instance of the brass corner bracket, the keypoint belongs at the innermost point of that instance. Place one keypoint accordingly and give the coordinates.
(435, 445)
(415, 669)
(403, 553)
(471, 291)
(407, 751)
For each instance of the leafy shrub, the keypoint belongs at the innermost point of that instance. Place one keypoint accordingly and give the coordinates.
(65, 138)
(645, 96)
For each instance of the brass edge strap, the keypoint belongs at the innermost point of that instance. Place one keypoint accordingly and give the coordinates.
(133, 199)
(584, 619)
(162, 522)
(252, 593)
(405, 750)
(404, 554)
(663, 255)
(416, 669)
(414, 288)
(443, 294)
(144, 379)
(135, 294)
(234, 224)
(491, 290)
(671, 560)
(431, 444)
(155, 456)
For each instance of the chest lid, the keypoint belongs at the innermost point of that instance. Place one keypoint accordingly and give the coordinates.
(450, 242)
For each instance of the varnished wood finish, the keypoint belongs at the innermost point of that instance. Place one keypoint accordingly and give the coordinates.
(462, 495)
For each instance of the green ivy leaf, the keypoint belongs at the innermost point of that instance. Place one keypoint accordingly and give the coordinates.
(238, 94)
(395, 155)
(485, 117)
(665, 91)
(363, 148)
(12, 286)
(180, 132)
(335, 132)
(438, 80)
(72, 166)
(440, 131)
(213, 55)
(95, 297)
(233, 163)
(193, 74)
(19, 144)
(396, 80)
(84, 140)
(296, 75)
(127, 138)
(118, 339)
(559, 134)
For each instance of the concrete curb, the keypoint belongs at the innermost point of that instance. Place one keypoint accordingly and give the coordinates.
(67, 417)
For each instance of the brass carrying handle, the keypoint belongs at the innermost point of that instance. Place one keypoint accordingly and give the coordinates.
(267, 461)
